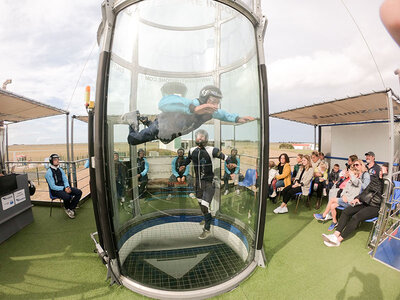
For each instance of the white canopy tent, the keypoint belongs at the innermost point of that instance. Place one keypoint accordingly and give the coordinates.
(15, 108)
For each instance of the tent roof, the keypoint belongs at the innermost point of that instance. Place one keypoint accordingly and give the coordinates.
(82, 118)
(16, 108)
(368, 107)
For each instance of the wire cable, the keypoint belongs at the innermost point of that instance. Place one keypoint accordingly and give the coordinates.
(366, 43)
(80, 75)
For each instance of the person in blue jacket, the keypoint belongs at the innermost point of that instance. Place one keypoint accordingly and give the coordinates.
(180, 176)
(179, 115)
(59, 186)
(142, 169)
(232, 171)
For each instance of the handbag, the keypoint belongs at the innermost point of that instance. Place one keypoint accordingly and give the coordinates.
(367, 196)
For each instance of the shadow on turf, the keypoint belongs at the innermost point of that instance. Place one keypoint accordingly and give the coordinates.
(370, 282)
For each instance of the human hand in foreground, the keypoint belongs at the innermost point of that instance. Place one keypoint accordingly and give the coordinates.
(245, 119)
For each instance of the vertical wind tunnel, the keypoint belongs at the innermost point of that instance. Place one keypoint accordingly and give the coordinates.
(156, 58)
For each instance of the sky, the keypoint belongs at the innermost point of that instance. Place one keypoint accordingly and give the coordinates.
(314, 52)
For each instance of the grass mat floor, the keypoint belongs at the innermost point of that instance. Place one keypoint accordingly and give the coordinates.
(53, 258)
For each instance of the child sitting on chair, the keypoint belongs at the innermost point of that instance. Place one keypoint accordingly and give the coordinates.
(273, 171)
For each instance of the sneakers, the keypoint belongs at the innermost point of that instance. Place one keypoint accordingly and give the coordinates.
(205, 234)
(319, 217)
(202, 222)
(331, 239)
(328, 217)
(226, 192)
(333, 226)
(70, 213)
(331, 245)
(281, 210)
(131, 118)
(237, 192)
(273, 195)
(123, 199)
(192, 195)
(169, 196)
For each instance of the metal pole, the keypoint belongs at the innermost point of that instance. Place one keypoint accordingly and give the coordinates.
(7, 158)
(67, 140)
(315, 137)
(72, 138)
(384, 211)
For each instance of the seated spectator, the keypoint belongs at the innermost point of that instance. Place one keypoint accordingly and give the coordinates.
(297, 166)
(365, 177)
(301, 184)
(315, 159)
(120, 178)
(283, 178)
(319, 183)
(363, 207)
(59, 186)
(273, 171)
(343, 178)
(232, 171)
(321, 156)
(180, 176)
(350, 191)
(373, 168)
(142, 169)
(333, 177)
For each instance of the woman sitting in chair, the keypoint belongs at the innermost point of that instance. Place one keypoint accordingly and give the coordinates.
(283, 178)
(301, 184)
(344, 199)
(363, 207)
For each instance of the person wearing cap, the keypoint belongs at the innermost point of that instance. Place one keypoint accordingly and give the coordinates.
(232, 171)
(179, 115)
(202, 158)
(142, 169)
(180, 176)
(59, 186)
(373, 168)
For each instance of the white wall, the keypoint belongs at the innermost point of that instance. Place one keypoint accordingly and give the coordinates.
(345, 140)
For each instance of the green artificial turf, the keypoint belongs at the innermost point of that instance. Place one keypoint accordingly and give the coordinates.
(53, 258)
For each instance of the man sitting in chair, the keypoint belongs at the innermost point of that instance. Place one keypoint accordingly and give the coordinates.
(59, 186)
(232, 171)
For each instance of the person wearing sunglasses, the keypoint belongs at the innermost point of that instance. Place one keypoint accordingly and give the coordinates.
(350, 191)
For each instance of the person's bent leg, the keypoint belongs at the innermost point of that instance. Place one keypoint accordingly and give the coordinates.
(346, 215)
(362, 212)
(76, 196)
(226, 181)
(65, 197)
(146, 135)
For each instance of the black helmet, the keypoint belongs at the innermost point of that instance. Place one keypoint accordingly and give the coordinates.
(203, 142)
(171, 88)
(207, 91)
(32, 188)
(140, 150)
(53, 156)
(182, 150)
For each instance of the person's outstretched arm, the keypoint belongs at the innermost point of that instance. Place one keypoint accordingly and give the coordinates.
(390, 16)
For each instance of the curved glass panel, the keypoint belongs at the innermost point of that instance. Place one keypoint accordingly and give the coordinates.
(183, 222)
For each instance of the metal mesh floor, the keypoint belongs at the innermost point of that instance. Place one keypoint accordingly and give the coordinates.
(183, 269)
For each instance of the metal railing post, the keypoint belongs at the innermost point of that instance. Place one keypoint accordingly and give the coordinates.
(75, 181)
